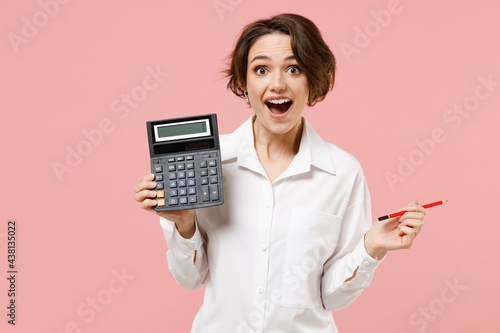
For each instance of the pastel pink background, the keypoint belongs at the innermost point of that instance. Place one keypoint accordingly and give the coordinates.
(73, 233)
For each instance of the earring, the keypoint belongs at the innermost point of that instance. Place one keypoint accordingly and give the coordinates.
(245, 93)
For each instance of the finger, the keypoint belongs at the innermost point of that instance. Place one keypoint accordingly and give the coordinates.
(404, 228)
(142, 195)
(408, 230)
(415, 208)
(145, 185)
(415, 225)
(149, 176)
(409, 206)
(414, 203)
(148, 204)
(412, 215)
(412, 223)
(407, 241)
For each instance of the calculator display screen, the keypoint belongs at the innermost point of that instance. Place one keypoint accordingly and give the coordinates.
(182, 130)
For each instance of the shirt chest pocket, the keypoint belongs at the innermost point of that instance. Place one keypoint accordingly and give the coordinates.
(311, 239)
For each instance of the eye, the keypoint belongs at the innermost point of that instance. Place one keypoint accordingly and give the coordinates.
(294, 70)
(260, 70)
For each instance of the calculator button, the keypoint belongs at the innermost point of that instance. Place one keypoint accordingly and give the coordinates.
(191, 182)
(206, 155)
(159, 186)
(173, 201)
(171, 167)
(173, 184)
(172, 176)
(192, 199)
(214, 192)
(160, 202)
(190, 165)
(181, 174)
(214, 180)
(181, 166)
(213, 172)
(159, 177)
(160, 194)
(190, 174)
(173, 192)
(180, 158)
(191, 190)
(171, 159)
(156, 161)
(182, 191)
(182, 183)
(204, 172)
(203, 164)
(183, 201)
(212, 163)
(204, 181)
(158, 168)
(189, 158)
(205, 194)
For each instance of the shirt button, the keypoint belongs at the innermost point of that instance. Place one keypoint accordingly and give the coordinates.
(366, 263)
(190, 246)
(260, 290)
(268, 204)
(263, 247)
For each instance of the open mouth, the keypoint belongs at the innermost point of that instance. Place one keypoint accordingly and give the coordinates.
(279, 106)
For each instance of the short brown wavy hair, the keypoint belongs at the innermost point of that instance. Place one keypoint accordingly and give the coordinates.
(310, 50)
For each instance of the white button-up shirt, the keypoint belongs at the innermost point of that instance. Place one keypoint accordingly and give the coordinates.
(275, 256)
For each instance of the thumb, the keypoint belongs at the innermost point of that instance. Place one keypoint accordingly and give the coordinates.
(413, 203)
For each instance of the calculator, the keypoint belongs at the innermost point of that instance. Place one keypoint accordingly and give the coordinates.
(185, 159)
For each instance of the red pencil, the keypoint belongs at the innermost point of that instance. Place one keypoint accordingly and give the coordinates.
(429, 205)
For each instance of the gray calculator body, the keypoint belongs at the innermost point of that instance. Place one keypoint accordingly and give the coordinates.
(186, 161)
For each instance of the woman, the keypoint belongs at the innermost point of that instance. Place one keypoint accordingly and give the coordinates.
(294, 239)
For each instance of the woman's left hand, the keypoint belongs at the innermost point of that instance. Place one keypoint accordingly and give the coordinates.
(396, 233)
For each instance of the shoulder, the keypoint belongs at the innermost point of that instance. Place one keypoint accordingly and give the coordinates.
(348, 169)
(230, 144)
(324, 154)
(342, 158)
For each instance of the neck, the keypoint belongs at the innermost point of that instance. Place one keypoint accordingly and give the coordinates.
(274, 146)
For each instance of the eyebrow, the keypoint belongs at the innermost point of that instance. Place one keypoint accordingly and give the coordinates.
(290, 57)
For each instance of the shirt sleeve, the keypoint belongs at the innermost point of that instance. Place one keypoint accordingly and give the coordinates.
(186, 257)
(350, 255)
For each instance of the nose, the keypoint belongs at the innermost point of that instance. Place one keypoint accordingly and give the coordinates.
(277, 82)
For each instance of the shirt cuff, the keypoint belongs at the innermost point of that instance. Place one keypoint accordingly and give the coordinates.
(185, 244)
(363, 260)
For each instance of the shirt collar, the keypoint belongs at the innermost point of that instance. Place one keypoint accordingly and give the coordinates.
(321, 154)
(313, 151)
(239, 145)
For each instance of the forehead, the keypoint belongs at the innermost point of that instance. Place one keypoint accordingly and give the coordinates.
(271, 45)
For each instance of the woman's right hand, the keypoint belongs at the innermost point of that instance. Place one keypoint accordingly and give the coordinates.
(146, 196)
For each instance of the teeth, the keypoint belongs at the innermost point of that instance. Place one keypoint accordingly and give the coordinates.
(278, 101)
